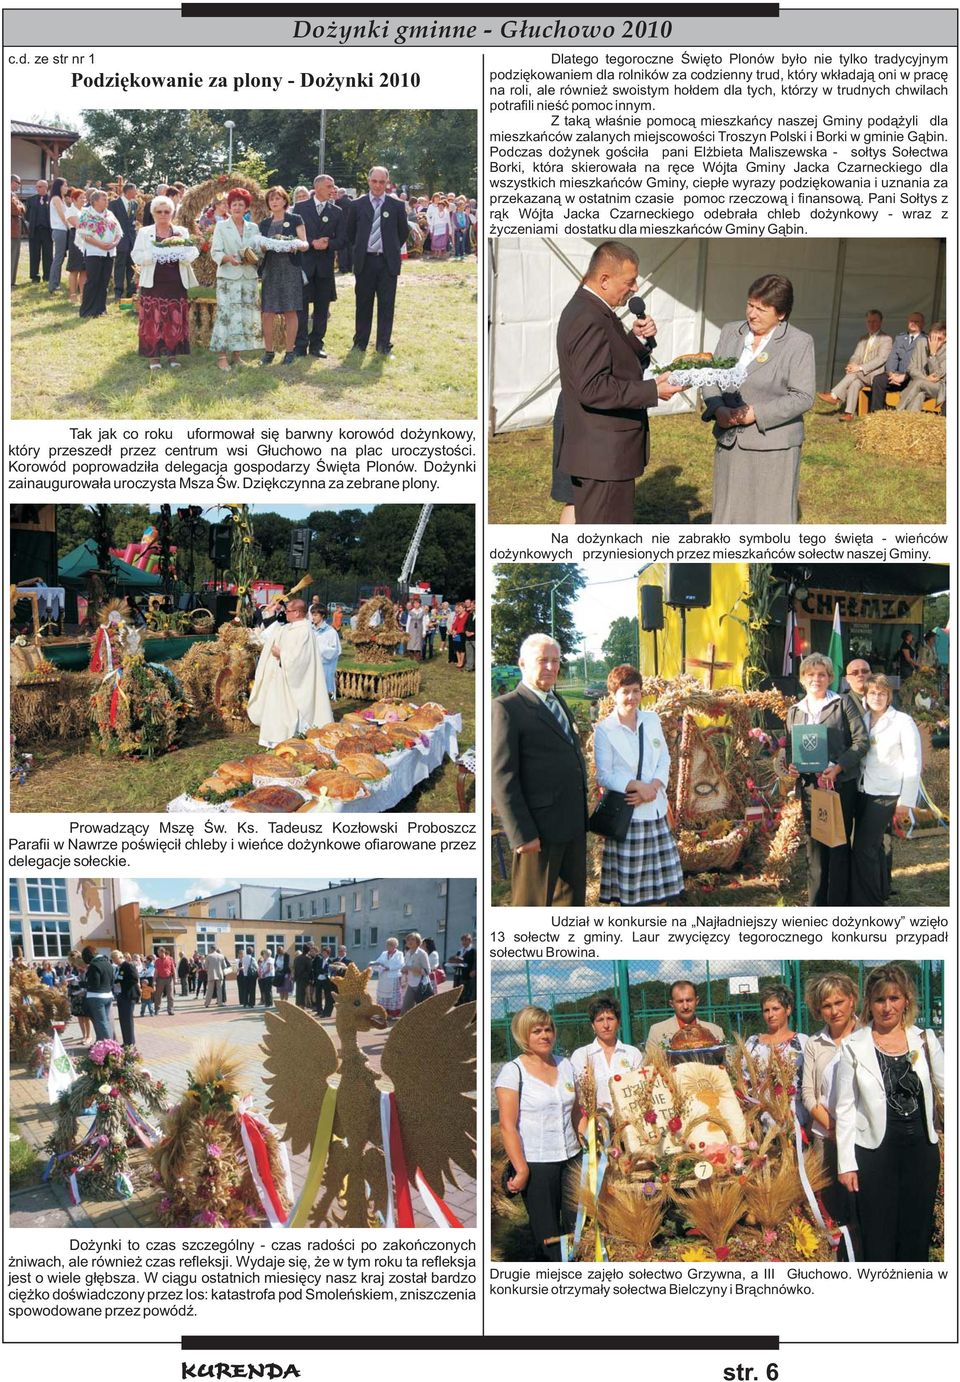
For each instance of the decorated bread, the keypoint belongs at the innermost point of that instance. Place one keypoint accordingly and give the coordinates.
(391, 711)
(434, 710)
(422, 722)
(269, 765)
(330, 735)
(235, 774)
(365, 741)
(295, 748)
(363, 765)
(217, 786)
(692, 1038)
(400, 736)
(263, 799)
(337, 783)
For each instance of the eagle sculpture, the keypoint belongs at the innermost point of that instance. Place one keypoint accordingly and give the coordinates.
(428, 1063)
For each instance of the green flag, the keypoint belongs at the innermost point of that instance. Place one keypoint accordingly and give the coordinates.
(835, 650)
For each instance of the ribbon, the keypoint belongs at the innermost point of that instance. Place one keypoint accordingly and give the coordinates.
(812, 1201)
(399, 1201)
(123, 1186)
(390, 1220)
(441, 1213)
(593, 1168)
(258, 1160)
(147, 1134)
(318, 1160)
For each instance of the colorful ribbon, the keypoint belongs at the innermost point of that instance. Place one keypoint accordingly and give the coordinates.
(318, 1160)
(399, 1202)
(258, 1160)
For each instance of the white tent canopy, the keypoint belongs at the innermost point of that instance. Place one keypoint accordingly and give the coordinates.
(691, 287)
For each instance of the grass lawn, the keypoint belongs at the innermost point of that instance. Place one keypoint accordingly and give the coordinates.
(63, 367)
(838, 483)
(921, 878)
(23, 1164)
(75, 777)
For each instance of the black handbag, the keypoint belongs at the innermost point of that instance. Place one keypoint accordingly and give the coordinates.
(613, 813)
(509, 1171)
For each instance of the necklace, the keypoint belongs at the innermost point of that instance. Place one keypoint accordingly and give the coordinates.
(887, 1041)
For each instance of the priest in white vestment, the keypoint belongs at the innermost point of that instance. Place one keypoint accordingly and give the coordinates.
(289, 691)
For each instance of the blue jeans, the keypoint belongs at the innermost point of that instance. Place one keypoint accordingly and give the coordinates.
(59, 254)
(99, 1013)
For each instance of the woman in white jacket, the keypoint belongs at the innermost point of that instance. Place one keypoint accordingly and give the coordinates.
(887, 1150)
(164, 320)
(630, 755)
(889, 785)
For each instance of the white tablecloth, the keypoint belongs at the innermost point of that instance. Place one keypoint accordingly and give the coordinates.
(408, 767)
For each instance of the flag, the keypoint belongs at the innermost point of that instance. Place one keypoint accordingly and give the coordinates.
(789, 643)
(62, 1073)
(835, 650)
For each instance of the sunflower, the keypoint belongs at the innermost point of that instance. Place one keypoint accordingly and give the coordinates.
(804, 1238)
(697, 1254)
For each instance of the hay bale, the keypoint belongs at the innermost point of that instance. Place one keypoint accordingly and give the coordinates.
(59, 711)
(920, 437)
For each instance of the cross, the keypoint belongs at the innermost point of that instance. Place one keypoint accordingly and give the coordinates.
(710, 662)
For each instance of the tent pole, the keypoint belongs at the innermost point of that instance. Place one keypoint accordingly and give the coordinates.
(700, 292)
(830, 361)
(939, 282)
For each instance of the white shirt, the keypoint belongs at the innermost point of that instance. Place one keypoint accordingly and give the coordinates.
(814, 709)
(752, 347)
(624, 1059)
(893, 763)
(545, 1120)
(616, 749)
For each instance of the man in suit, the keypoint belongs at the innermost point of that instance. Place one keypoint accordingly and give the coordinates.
(683, 1000)
(39, 232)
(247, 979)
(868, 359)
(323, 989)
(343, 200)
(376, 232)
(540, 783)
(302, 972)
(323, 222)
(218, 967)
(125, 209)
(605, 443)
(927, 371)
(895, 373)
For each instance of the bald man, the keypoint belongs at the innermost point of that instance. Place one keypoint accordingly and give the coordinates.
(376, 232)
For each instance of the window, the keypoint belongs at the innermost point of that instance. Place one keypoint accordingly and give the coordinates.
(303, 942)
(47, 895)
(313, 906)
(167, 942)
(13, 896)
(442, 887)
(332, 941)
(16, 935)
(289, 910)
(357, 937)
(358, 902)
(343, 902)
(374, 898)
(51, 938)
(231, 911)
(373, 935)
(276, 943)
(206, 940)
(326, 906)
(300, 910)
(212, 910)
(408, 909)
(243, 942)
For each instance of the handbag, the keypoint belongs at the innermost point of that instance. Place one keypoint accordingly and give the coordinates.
(509, 1171)
(78, 1003)
(613, 813)
(826, 818)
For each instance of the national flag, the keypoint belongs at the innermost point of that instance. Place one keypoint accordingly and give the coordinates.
(835, 650)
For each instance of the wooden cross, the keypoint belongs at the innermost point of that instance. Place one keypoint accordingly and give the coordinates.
(710, 662)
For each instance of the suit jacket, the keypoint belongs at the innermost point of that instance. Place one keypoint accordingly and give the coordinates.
(847, 738)
(539, 779)
(393, 230)
(327, 223)
(605, 397)
(780, 386)
(898, 361)
(872, 358)
(38, 214)
(923, 364)
(128, 224)
(861, 1106)
(217, 966)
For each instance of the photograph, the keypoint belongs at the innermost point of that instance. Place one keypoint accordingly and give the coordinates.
(728, 1110)
(721, 733)
(214, 1053)
(684, 380)
(242, 658)
(248, 264)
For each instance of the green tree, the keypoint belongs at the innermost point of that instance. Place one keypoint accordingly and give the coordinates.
(620, 644)
(522, 605)
(82, 165)
(157, 146)
(253, 165)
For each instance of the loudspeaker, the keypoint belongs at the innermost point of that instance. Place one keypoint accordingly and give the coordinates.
(220, 605)
(687, 584)
(219, 541)
(651, 608)
(299, 548)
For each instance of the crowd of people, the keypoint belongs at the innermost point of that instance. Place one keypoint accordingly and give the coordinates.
(541, 789)
(426, 619)
(96, 981)
(911, 365)
(868, 1086)
(283, 267)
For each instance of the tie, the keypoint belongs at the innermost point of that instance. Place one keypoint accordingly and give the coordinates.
(557, 711)
(375, 243)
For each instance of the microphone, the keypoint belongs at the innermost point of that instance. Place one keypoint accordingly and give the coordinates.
(639, 309)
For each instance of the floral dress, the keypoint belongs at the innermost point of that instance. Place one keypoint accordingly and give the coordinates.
(237, 326)
(164, 319)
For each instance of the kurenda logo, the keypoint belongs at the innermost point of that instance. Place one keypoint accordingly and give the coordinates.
(271, 1370)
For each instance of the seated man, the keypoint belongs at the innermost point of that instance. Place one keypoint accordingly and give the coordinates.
(683, 1001)
(895, 373)
(869, 357)
(928, 371)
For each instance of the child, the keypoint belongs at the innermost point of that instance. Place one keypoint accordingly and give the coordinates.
(147, 988)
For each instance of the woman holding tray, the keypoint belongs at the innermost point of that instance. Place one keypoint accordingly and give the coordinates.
(888, 789)
(165, 278)
(536, 1099)
(828, 867)
(233, 250)
(888, 1079)
(759, 429)
(281, 276)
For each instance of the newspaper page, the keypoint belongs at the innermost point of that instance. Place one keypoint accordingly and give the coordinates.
(510, 453)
